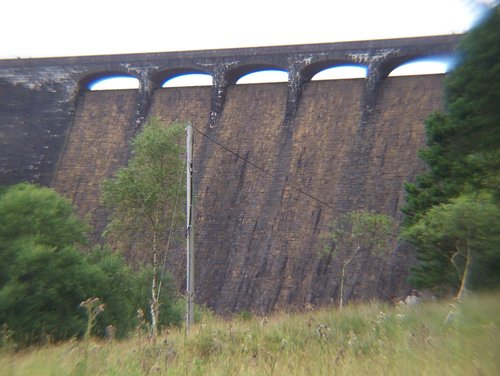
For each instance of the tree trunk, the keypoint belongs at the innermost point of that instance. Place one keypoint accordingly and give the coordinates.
(154, 296)
(344, 265)
(341, 301)
(464, 283)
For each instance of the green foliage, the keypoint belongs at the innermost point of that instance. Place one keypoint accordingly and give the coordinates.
(244, 315)
(463, 153)
(117, 288)
(356, 232)
(143, 194)
(45, 277)
(359, 229)
(465, 230)
(463, 150)
(146, 199)
(38, 215)
(45, 289)
(363, 339)
(124, 291)
(171, 306)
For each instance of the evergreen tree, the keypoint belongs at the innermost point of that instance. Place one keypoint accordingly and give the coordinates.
(463, 153)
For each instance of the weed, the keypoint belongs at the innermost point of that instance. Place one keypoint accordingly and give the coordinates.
(370, 338)
(93, 306)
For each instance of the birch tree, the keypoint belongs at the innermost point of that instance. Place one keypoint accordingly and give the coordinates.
(354, 234)
(144, 196)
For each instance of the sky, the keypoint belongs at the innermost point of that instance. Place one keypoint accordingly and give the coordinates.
(46, 28)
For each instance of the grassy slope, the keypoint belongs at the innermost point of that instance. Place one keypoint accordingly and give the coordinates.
(366, 339)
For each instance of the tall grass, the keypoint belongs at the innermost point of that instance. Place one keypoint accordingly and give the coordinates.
(362, 339)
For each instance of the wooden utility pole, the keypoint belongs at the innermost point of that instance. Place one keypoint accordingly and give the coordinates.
(189, 229)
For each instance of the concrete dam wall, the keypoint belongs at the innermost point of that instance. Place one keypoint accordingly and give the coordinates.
(258, 240)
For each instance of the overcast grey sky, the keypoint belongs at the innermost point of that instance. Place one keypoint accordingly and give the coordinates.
(38, 28)
(45, 28)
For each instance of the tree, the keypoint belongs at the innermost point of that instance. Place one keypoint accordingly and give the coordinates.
(463, 144)
(43, 275)
(144, 195)
(461, 231)
(38, 215)
(124, 291)
(46, 286)
(354, 232)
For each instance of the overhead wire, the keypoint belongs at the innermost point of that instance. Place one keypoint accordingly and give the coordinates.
(246, 160)
(170, 231)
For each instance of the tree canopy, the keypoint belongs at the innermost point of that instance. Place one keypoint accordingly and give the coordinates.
(463, 151)
(45, 274)
(357, 232)
(146, 198)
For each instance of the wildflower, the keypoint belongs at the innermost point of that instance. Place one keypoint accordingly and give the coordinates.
(352, 338)
(321, 330)
(308, 306)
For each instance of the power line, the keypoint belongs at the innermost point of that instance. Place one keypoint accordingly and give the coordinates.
(264, 170)
(170, 231)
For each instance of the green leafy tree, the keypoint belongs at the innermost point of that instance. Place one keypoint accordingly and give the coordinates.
(117, 289)
(463, 142)
(43, 275)
(172, 308)
(124, 291)
(354, 234)
(37, 214)
(144, 196)
(46, 287)
(465, 232)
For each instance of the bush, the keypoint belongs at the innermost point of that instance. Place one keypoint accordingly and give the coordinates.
(44, 276)
(46, 286)
(171, 307)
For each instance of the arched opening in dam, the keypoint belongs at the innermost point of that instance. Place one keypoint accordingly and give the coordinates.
(340, 73)
(263, 76)
(188, 80)
(113, 82)
(424, 66)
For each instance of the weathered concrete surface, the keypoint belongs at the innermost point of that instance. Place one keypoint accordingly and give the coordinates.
(257, 240)
(97, 144)
(34, 120)
(351, 143)
(38, 96)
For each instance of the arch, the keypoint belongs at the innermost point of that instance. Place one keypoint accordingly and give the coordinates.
(189, 79)
(422, 67)
(418, 65)
(341, 72)
(263, 76)
(334, 69)
(111, 80)
(233, 76)
(182, 77)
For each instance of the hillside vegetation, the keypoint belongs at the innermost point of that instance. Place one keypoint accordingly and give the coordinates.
(364, 339)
